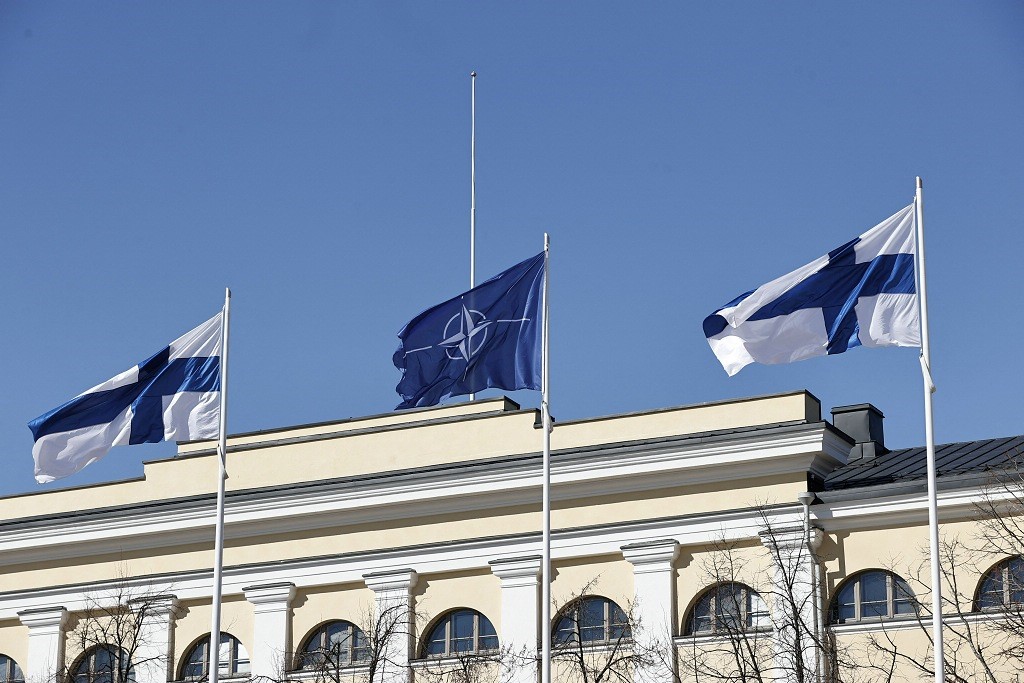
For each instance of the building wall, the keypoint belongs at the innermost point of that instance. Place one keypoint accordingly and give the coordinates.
(446, 493)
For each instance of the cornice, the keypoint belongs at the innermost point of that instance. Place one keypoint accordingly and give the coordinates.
(469, 487)
(900, 510)
(378, 566)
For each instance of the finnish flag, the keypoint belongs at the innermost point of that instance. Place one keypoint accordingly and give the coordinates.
(175, 394)
(861, 294)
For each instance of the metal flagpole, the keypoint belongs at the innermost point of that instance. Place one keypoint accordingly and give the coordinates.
(545, 411)
(929, 389)
(472, 190)
(222, 452)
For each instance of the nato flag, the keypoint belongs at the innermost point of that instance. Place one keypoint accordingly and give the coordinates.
(488, 337)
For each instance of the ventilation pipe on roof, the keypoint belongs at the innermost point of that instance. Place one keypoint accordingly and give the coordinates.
(863, 424)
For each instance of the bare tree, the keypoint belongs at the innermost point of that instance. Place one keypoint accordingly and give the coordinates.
(593, 640)
(977, 646)
(364, 654)
(736, 646)
(111, 636)
(765, 622)
(496, 665)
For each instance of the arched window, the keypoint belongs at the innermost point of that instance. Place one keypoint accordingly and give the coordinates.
(333, 645)
(10, 672)
(234, 660)
(873, 595)
(590, 619)
(103, 664)
(459, 631)
(1003, 585)
(727, 608)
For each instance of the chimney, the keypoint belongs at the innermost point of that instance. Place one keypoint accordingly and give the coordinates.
(862, 423)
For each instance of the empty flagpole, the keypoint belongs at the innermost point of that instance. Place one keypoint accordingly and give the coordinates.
(929, 389)
(222, 459)
(472, 188)
(545, 412)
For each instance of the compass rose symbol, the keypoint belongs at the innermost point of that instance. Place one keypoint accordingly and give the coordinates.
(465, 334)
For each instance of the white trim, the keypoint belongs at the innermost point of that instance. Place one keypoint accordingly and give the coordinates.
(606, 472)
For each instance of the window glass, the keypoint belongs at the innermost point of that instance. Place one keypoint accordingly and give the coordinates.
(334, 644)
(592, 619)
(757, 611)
(1003, 585)
(727, 607)
(234, 660)
(873, 595)
(1015, 579)
(10, 672)
(104, 664)
(459, 632)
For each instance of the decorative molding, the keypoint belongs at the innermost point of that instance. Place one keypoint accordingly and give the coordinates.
(391, 580)
(651, 556)
(793, 538)
(44, 618)
(474, 486)
(273, 597)
(517, 571)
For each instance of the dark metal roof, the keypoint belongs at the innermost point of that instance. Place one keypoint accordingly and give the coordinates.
(906, 464)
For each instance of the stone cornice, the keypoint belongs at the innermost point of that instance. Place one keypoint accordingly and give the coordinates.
(470, 487)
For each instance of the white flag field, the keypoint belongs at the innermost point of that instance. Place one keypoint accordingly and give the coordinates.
(173, 395)
(860, 294)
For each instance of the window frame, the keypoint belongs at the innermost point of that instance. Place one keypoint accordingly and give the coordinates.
(446, 621)
(610, 609)
(232, 664)
(1008, 585)
(356, 643)
(893, 583)
(125, 674)
(12, 672)
(750, 618)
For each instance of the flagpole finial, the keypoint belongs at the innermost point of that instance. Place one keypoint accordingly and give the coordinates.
(472, 74)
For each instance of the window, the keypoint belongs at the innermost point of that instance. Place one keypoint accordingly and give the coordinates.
(464, 630)
(591, 619)
(234, 660)
(1003, 585)
(873, 595)
(728, 607)
(10, 672)
(103, 664)
(332, 645)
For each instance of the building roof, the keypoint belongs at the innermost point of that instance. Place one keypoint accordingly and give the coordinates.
(907, 464)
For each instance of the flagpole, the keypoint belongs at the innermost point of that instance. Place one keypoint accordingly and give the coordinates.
(222, 460)
(472, 190)
(545, 408)
(929, 389)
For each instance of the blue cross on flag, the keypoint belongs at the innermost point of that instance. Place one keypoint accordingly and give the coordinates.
(488, 337)
(175, 394)
(861, 294)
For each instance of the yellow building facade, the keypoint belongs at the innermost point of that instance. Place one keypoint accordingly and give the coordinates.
(679, 535)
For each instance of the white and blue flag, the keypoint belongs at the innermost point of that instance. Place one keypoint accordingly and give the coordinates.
(861, 294)
(175, 394)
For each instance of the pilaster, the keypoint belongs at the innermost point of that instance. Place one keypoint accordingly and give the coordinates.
(395, 614)
(795, 608)
(45, 643)
(155, 643)
(521, 629)
(654, 612)
(271, 628)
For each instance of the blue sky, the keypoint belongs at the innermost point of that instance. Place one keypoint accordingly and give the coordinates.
(314, 157)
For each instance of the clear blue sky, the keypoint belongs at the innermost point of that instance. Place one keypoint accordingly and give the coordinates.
(314, 157)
